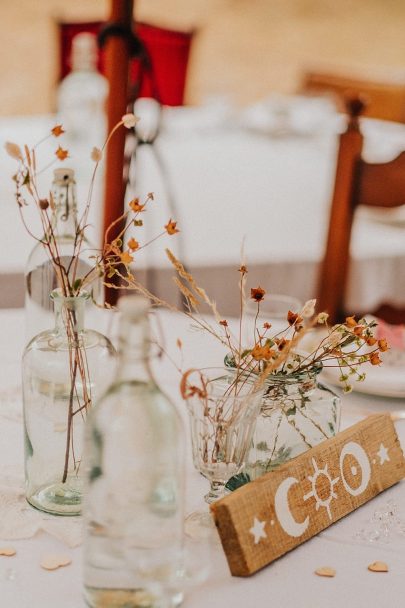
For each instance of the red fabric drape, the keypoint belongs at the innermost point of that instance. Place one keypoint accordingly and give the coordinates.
(168, 52)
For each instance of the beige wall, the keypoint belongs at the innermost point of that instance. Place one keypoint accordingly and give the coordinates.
(244, 48)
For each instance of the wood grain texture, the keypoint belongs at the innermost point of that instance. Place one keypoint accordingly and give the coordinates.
(274, 514)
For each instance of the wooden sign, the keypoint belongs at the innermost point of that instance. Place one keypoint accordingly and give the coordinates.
(264, 519)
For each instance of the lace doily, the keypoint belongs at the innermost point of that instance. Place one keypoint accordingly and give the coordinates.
(18, 520)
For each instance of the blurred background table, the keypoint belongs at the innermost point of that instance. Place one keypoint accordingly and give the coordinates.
(261, 177)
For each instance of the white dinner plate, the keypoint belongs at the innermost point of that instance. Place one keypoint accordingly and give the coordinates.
(386, 380)
(380, 385)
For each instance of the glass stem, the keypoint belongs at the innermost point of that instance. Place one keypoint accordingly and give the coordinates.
(217, 491)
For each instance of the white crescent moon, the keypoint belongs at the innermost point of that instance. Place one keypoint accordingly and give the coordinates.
(284, 515)
(359, 453)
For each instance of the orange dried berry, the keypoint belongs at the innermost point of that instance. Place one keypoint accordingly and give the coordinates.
(133, 244)
(126, 257)
(43, 203)
(351, 321)
(224, 323)
(257, 293)
(371, 341)
(61, 154)
(375, 359)
(383, 345)
(57, 130)
(358, 330)
(171, 228)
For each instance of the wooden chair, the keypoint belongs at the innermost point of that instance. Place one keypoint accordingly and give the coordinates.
(385, 100)
(357, 182)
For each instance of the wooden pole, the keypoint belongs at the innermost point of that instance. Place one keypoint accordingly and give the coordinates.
(118, 54)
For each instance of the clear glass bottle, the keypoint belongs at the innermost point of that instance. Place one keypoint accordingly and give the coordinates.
(40, 276)
(135, 480)
(64, 370)
(82, 95)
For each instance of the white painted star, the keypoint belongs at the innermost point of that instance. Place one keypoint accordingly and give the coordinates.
(383, 454)
(257, 530)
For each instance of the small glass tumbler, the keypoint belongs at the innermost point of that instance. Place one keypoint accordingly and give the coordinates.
(223, 408)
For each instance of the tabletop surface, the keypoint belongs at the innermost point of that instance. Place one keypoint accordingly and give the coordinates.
(289, 582)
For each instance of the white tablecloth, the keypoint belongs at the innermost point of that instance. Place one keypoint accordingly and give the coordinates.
(289, 582)
(234, 178)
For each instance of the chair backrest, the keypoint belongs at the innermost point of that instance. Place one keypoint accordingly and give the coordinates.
(357, 182)
(385, 100)
(164, 76)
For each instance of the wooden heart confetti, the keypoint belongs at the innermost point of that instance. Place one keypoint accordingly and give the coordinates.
(53, 562)
(7, 551)
(378, 567)
(325, 571)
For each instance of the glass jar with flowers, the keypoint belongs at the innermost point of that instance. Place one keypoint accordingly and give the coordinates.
(66, 367)
(298, 411)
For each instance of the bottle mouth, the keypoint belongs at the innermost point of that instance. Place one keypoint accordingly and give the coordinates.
(57, 296)
(63, 175)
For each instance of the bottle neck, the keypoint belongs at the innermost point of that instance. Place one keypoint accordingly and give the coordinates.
(134, 351)
(69, 313)
(64, 196)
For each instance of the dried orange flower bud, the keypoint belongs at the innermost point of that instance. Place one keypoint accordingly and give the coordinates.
(293, 318)
(170, 227)
(57, 130)
(133, 244)
(61, 154)
(351, 321)
(383, 345)
(126, 257)
(135, 206)
(257, 293)
(375, 359)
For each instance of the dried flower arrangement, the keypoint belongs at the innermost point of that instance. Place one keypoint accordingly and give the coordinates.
(275, 353)
(109, 261)
(278, 362)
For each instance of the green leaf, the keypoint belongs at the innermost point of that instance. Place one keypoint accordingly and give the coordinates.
(237, 481)
(77, 284)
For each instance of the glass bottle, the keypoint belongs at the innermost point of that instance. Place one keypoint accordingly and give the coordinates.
(63, 371)
(82, 95)
(40, 276)
(135, 480)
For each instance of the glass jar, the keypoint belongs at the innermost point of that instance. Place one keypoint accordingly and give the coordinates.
(297, 413)
(63, 371)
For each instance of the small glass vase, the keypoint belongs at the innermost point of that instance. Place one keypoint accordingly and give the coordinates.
(222, 416)
(297, 413)
(63, 371)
